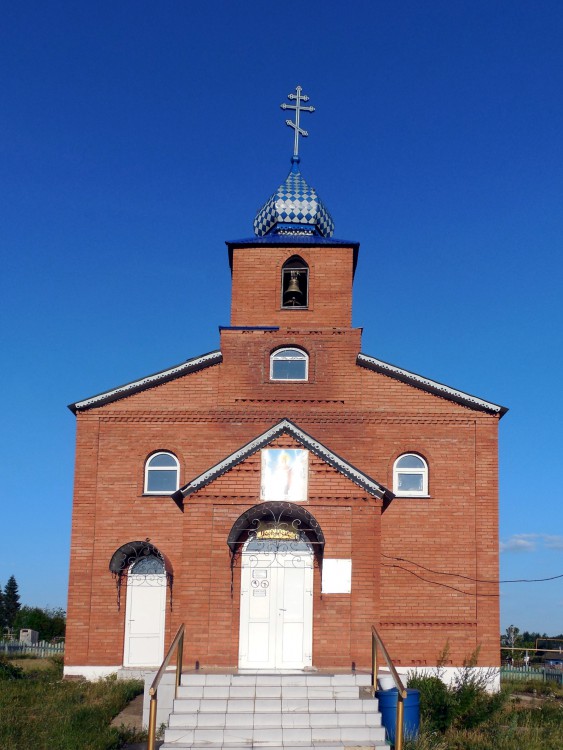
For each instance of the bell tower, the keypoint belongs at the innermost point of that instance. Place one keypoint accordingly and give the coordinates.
(293, 274)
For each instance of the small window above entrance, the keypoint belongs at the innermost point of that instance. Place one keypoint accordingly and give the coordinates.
(149, 565)
(289, 364)
(282, 547)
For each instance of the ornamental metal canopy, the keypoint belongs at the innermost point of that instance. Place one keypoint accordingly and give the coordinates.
(131, 553)
(276, 520)
(139, 557)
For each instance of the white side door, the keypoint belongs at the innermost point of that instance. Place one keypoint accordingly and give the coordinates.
(144, 620)
(276, 611)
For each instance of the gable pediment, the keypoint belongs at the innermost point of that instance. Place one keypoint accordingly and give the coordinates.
(302, 438)
(150, 381)
(429, 386)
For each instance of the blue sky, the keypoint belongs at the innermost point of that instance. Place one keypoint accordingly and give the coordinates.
(136, 137)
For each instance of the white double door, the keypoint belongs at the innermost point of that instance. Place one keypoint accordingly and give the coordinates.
(144, 620)
(276, 610)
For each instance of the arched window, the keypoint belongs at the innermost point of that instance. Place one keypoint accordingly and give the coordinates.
(289, 364)
(410, 475)
(161, 474)
(148, 565)
(295, 283)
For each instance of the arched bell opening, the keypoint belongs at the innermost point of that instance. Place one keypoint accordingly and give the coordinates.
(295, 283)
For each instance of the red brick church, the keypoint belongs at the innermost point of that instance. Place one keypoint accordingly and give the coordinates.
(281, 494)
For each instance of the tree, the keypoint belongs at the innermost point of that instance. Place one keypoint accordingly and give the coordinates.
(512, 636)
(2, 613)
(49, 623)
(11, 601)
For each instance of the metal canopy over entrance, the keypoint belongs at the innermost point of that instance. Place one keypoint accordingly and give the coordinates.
(130, 555)
(276, 520)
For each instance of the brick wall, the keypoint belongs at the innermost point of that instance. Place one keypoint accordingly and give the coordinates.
(365, 417)
(257, 278)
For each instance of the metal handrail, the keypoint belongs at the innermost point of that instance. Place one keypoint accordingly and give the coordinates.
(402, 692)
(178, 642)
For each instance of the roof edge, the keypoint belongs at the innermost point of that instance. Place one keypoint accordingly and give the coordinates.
(431, 386)
(135, 386)
(286, 426)
(291, 241)
(288, 240)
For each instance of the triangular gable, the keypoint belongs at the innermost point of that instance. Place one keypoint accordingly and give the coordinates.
(164, 376)
(430, 386)
(286, 427)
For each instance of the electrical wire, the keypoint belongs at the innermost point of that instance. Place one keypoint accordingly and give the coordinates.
(436, 583)
(469, 578)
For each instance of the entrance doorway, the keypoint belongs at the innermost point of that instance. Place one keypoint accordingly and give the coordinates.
(276, 605)
(145, 613)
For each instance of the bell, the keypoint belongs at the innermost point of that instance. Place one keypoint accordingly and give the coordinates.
(292, 295)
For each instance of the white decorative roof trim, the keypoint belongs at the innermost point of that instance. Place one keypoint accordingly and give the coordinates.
(356, 476)
(429, 385)
(190, 365)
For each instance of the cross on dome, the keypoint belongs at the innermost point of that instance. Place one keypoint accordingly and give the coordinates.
(295, 208)
(298, 97)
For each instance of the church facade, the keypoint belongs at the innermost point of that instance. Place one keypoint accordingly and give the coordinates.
(283, 493)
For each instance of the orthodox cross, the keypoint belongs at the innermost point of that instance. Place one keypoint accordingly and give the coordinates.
(298, 107)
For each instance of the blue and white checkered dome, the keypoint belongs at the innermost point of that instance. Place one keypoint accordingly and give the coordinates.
(295, 208)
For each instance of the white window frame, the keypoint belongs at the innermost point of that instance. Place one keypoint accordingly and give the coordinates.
(419, 471)
(275, 356)
(161, 468)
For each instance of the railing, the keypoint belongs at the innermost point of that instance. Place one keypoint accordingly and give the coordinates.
(402, 693)
(178, 643)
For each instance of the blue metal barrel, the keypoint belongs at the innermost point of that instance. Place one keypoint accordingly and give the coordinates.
(388, 707)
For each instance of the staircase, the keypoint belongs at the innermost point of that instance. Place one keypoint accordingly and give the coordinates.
(289, 711)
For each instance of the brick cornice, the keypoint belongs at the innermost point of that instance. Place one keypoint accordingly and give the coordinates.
(313, 417)
(426, 624)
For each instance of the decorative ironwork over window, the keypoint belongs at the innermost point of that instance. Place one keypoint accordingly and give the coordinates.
(140, 558)
(279, 529)
(149, 565)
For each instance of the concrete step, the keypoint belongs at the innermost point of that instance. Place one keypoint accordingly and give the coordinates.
(288, 679)
(265, 720)
(268, 691)
(274, 712)
(245, 746)
(273, 737)
(275, 705)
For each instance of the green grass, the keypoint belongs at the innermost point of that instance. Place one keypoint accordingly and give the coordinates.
(533, 687)
(521, 725)
(40, 710)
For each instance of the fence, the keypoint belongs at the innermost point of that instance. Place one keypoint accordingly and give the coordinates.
(41, 649)
(532, 673)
